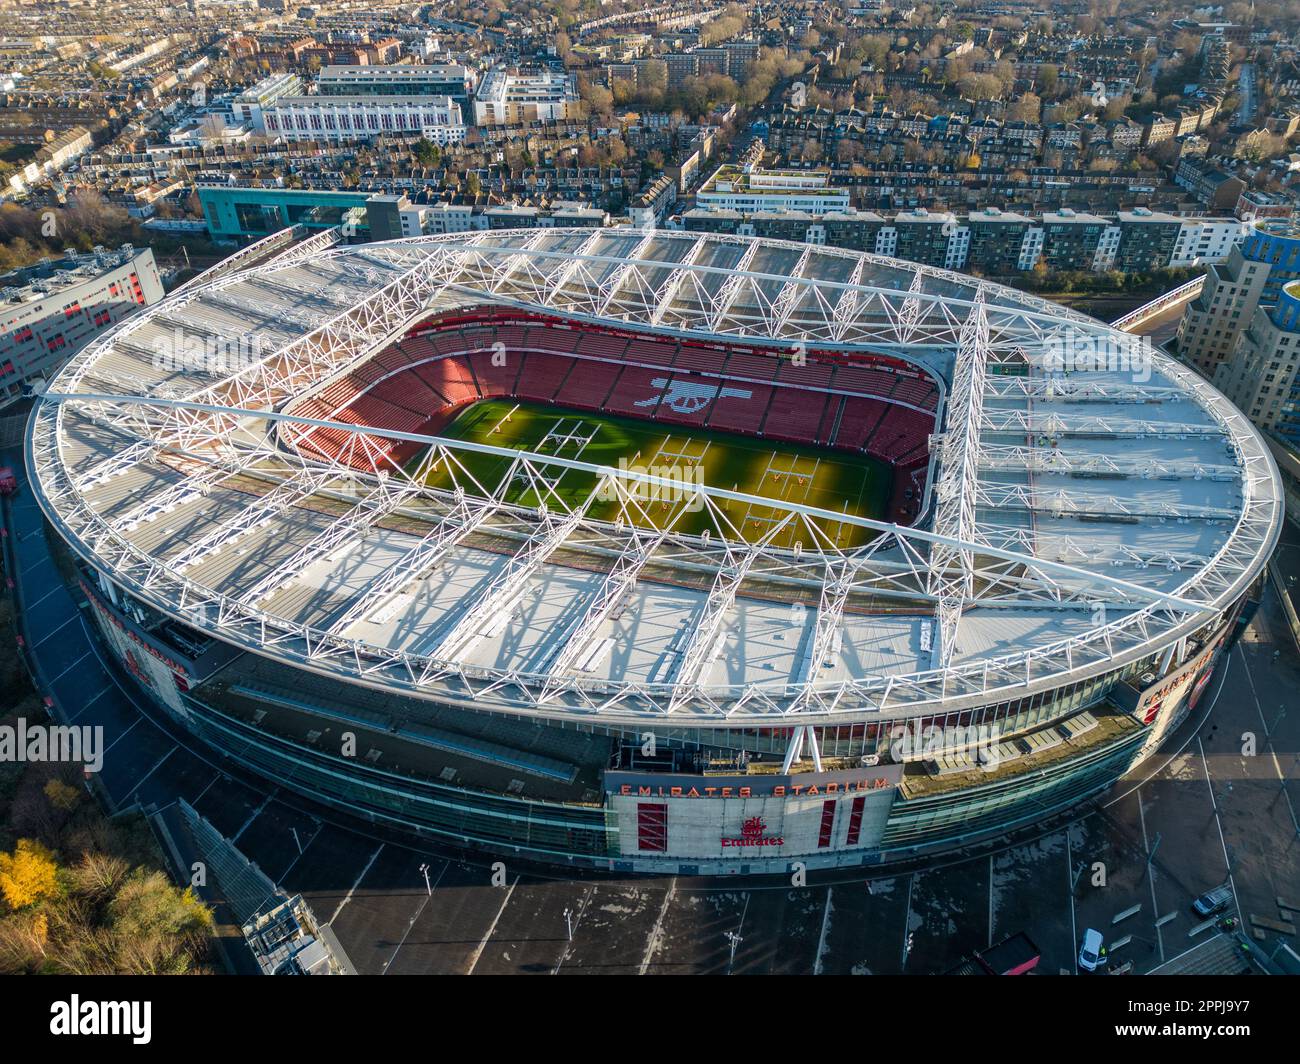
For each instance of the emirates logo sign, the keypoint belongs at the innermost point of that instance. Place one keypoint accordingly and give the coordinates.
(753, 832)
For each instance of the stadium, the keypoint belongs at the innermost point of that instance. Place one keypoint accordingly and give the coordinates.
(654, 551)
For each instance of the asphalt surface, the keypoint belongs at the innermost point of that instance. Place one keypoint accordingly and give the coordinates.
(1199, 814)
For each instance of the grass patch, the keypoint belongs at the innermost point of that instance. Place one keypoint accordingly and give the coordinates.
(831, 480)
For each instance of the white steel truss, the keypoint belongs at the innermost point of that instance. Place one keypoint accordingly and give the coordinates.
(788, 298)
(952, 573)
(1145, 604)
(1079, 388)
(703, 641)
(570, 269)
(909, 312)
(500, 599)
(215, 430)
(348, 528)
(607, 288)
(999, 457)
(415, 564)
(733, 285)
(673, 285)
(611, 594)
(280, 499)
(1020, 421)
(1062, 502)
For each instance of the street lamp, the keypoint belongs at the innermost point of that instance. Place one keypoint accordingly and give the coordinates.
(735, 940)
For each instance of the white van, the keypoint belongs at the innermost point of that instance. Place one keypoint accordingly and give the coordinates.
(1092, 954)
(1213, 902)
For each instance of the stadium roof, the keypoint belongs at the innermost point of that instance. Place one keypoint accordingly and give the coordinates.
(1092, 501)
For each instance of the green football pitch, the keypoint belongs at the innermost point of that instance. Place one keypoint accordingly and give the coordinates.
(830, 480)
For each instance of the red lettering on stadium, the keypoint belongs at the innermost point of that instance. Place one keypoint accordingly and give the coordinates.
(751, 834)
(780, 790)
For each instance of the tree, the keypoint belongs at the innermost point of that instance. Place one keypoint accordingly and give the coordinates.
(599, 99)
(979, 87)
(63, 797)
(1048, 78)
(426, 152)
(1027, 108)
(28, 875)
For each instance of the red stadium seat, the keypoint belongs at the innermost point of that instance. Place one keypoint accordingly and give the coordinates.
(423, 380)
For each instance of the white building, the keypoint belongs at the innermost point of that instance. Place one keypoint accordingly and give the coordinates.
(348, 119)
(1206, 240)
(747, 190)
(249, 105)
(506, 98)
(409, 79)
(52, 157)
(54, 308)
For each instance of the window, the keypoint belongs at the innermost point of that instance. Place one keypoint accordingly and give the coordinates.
(828, 824)
(855, 820)
(652, 827)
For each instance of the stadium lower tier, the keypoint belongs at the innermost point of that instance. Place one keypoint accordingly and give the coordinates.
(685, 800)
(875, 406)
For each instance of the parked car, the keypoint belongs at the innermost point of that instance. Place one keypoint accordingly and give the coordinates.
(1092, 954)
(1213, 902)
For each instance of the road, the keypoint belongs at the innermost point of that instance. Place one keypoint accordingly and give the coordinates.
(1246, 86)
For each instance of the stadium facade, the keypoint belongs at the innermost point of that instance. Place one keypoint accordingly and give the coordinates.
(245, 476)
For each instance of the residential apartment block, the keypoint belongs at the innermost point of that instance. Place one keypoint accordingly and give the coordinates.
(351, 119)
(49, 311)
(1254, 275)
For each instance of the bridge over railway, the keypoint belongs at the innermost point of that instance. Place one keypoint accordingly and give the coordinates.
(1144, 317)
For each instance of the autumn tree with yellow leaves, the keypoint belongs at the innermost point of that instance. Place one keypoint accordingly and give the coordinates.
(28, 875)
(98, 916)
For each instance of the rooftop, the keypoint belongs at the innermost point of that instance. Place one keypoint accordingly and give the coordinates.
(55, 274)
(1076, 469)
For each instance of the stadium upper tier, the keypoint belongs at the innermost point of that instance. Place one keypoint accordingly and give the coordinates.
(1088, 504)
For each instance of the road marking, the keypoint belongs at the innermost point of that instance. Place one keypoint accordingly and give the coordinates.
(744, 910)
(157, 765)
(653, 941)
(303, 852)
(1069, 878)
(1214, 804)
(90, 701)
(252, 816)
(1272, 746)
(907, 918)
(53, 631)
(353, 889)
(990, 941)
(577, 919)
(428, 897)
(1151, 877)
(70, 668)
(821, 939)
(199, 797)
(32, 605)
(474, 957)
(128, 731)
(26, 569)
